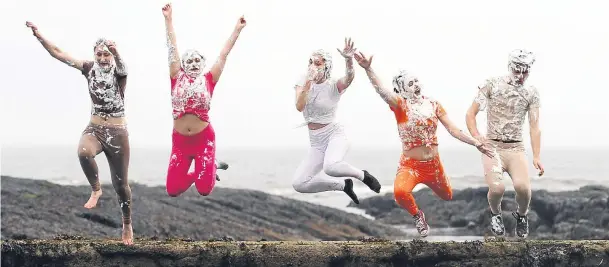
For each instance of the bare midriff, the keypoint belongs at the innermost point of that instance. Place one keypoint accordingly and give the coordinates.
(421, 153)
(316, 126)
(189, 124)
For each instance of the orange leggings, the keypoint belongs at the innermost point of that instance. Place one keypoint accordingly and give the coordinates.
(412, 172)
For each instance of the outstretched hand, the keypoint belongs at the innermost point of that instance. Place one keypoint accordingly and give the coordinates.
(167, 11)
(348, 50)
(486, 150)
(240, 23)
(362, 60)
(32, 27)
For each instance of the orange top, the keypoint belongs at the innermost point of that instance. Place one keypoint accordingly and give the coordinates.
(417, 123)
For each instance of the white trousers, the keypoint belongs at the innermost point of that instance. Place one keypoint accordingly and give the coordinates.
(329, 145)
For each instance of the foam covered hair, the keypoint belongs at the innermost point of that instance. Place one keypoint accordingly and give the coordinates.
(399, 81)
(521, 57)
(100, 42)
(327, 61)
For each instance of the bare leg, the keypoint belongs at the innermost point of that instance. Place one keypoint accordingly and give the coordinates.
(88, 148)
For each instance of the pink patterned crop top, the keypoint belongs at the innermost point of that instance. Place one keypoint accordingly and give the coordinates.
(417, 123)
(192, 95)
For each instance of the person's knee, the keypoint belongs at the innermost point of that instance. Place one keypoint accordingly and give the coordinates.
(401, 193)
(496, 189)
(205, 184)
(205, 190)
(299, 185)
(123, 190)
(447, 194)
(522, 188)
(332, 169)
(173, 192)
(86, 152)
(299, 182)
(495, 185)
(404, 198)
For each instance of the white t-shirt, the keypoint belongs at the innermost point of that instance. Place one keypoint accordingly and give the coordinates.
(322, 101)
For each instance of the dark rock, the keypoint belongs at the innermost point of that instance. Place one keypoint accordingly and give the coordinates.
(40, 209)
(580, 214)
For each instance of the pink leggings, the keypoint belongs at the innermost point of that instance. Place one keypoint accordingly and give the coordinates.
(202, 148)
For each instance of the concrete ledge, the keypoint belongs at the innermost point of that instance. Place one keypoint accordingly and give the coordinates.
(91, 252)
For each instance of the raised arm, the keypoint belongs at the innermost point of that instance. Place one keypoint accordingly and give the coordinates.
(390, 97)
(54, 50)
(121, 67)
(347, 52)
(174, 56)
(218, 67)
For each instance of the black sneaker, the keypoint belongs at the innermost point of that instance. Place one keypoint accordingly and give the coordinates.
(372, 182)
(221, 165)
(421, 223)
(217, 178)
(497, 224)
(349, 190)
(522, 225)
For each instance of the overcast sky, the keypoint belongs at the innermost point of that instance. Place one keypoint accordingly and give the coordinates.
(452, 45)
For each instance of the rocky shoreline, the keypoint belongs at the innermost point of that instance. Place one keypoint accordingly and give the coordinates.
(83, 252)
(576, 215)
(38, 209)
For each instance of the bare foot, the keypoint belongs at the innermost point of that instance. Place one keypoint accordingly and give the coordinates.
(93, 199)
(127, 234)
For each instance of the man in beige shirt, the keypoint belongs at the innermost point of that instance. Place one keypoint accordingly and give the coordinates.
(507, 100)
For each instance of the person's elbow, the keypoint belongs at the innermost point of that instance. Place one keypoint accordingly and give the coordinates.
(299, 107)
(471, 113)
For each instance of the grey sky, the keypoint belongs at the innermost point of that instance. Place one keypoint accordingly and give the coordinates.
(452, 46)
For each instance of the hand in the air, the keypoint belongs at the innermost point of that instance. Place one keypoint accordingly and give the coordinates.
(167, 11)
(32, 27)
(362, 60)
(241, 23)
(348, 50)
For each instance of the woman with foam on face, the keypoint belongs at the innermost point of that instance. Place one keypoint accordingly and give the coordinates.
(317, 97)
(417, 117)
(191, 92)
(107, 129)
